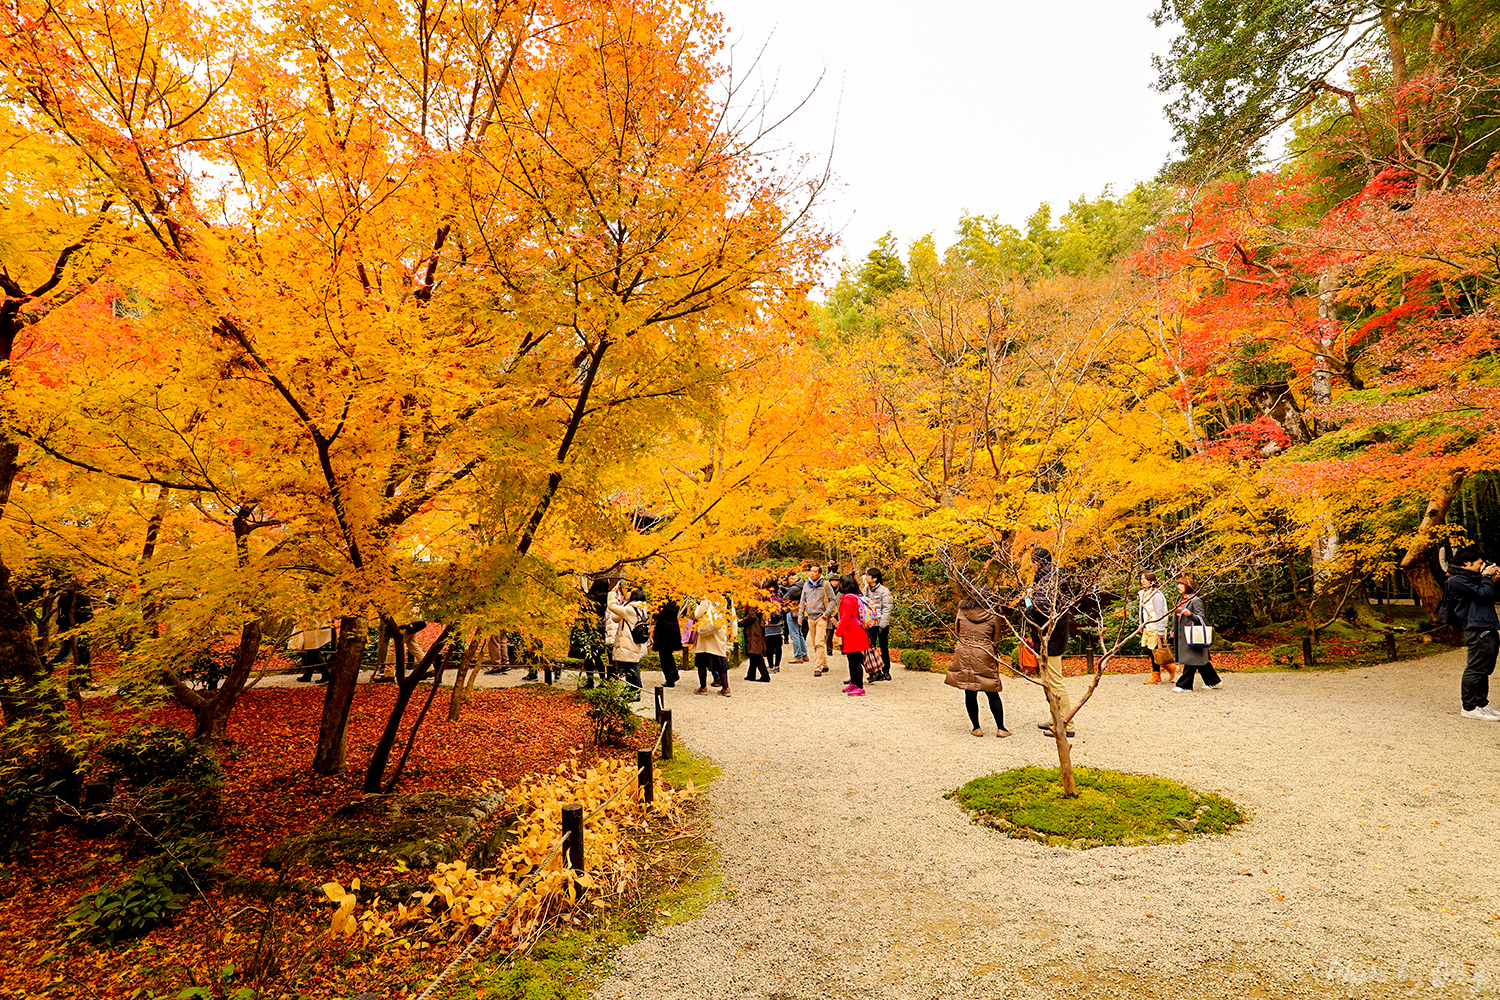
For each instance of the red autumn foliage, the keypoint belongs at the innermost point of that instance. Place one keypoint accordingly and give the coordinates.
(270, 794)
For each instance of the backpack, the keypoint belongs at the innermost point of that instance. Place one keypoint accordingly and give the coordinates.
(868, 616)
(640, 632)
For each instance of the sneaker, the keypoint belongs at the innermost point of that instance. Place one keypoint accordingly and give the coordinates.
(1180, 690)
(725, 692)
(1490, 709)
(860, 693)
(1047, 731)
(701, 691)
(848, 688)
(1213, 687)
(1481, 713)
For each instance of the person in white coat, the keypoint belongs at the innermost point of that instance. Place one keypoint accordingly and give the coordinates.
(879, 596)
(1153, 605)
(711, 646)
(625, 656)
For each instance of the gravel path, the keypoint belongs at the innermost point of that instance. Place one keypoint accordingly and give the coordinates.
(1364, 871)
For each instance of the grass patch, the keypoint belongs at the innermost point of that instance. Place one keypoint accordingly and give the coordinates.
(686, 766)
(1111, 807)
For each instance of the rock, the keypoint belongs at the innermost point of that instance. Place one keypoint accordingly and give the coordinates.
(1149, 840)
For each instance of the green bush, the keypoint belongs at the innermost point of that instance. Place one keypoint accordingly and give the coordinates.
(916, 659)
(35, 771)
(157, 889)
(609, 711)
(156, 756)
(117, 914)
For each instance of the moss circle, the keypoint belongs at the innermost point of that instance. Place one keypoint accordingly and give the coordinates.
(1111, 808)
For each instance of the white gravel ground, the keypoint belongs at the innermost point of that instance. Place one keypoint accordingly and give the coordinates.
(1366, 869)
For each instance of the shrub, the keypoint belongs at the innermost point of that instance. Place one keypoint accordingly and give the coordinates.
(916, 659)
(156, 756)
(35, 771)
(609, 711)
(119, 913)
(156, 890)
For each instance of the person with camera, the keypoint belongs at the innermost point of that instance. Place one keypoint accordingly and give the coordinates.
(1471, 591)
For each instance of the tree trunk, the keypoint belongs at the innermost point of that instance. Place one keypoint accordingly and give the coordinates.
(21, 668)
(416, 727)
(406, 686)
(1064, 748)
(22, 672)
(1417, 563)
(212, 721)
(1329, 283)
(463, 680)
(339, 698)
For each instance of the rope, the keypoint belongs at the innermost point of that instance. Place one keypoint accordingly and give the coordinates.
(463, 956)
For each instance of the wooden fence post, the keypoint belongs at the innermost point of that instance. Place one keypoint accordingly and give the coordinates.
(572, 823)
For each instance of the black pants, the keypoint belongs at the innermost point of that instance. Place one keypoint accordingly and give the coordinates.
(758, 665)
(856, 668)
(630, 673)
(316, 659)
(594, 663)
(669, 670)
(1475, 687)
(773, 652)
(880, 635)
(971, 702)
(1207, 672)
(706, 662)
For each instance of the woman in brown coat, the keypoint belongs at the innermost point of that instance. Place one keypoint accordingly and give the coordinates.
(975, 667)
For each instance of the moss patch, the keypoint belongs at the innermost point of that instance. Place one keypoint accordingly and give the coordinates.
(686, 766)
(1111, 807)
(420, 830)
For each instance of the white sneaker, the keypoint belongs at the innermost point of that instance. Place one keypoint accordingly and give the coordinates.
(1490, 709)
(1177, 690)
(1215, 687)
(1481, 713)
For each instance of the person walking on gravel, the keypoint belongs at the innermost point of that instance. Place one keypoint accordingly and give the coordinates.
(791, 596)
(1153, 605)
(1194, 659)
(1471, 591)
(975, 667)
(775, 622)
(711, 647)
(879, 596)
(666, 640)
(632, 635)
(815, 605)
(852, 634)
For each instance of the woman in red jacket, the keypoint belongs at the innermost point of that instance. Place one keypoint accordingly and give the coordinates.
(855, 639)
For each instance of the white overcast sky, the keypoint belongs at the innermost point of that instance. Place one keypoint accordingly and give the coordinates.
(952, 106)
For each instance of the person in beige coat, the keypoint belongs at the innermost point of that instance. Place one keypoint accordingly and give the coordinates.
(711, 647)
(975, 667)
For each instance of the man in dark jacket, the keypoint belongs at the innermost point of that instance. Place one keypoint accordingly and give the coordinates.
(1471, 592)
